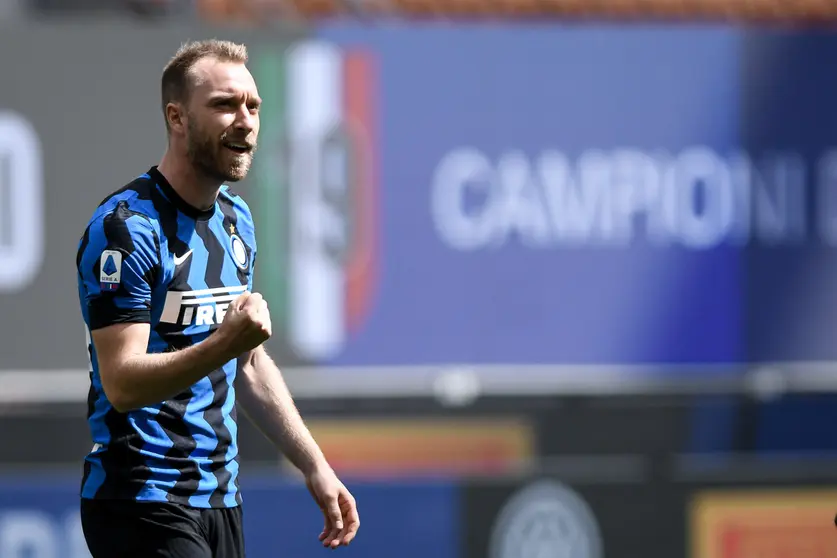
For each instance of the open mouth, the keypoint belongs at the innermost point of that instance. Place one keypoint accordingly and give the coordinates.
(240, 148)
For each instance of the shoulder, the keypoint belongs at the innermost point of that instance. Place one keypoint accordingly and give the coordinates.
(125, 218)
(236, 209)
(235, 200)
(134, 199)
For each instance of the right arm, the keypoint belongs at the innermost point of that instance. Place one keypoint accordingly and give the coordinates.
(119, 318)
(133, 378)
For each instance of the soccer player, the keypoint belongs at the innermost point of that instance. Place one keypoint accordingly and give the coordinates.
(175, 334)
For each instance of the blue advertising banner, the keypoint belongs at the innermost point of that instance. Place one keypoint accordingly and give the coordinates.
(39, 518)
(554, 195)
(788, 109)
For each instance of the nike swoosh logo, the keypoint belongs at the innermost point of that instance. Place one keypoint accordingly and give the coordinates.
(181, 259)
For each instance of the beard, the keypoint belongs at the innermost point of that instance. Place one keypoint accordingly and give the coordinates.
(211, 158)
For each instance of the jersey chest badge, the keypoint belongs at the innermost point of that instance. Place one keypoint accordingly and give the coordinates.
(239, 252)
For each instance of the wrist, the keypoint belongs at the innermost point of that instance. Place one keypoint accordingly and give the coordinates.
(313, 466)
(222, 346)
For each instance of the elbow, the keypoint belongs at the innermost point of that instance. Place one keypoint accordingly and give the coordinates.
(120, 401)
(122, 405)
(118, 396)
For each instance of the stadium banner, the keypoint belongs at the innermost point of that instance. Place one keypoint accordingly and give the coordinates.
(399, 447)
(651, 516)
(533, 199)
(548, 515)
(39, 518)
(796, 522)
(430, 195)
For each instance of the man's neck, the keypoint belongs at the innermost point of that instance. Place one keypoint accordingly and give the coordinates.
(195, 189)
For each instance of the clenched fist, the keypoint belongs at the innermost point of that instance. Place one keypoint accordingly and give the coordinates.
(246, 323)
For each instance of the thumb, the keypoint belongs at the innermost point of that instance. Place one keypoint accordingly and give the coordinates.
(239, 302)
(333, 511)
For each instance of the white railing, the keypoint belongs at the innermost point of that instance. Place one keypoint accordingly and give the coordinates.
(463, 384)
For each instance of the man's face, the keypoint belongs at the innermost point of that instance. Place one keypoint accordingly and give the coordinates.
(223, 119)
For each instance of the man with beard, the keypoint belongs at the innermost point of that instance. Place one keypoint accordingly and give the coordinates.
(175, 334)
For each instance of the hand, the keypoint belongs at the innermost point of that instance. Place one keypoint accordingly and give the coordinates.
(338, 506)
(246, 324)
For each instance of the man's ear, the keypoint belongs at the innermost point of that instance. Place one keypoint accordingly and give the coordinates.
(175, 116)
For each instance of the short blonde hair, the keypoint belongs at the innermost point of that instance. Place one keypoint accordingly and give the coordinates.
(176, 83)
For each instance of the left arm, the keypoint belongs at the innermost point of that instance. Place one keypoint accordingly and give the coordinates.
(265, 399)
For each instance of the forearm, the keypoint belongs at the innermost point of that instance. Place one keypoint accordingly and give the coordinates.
(146, 379)
(268, 403)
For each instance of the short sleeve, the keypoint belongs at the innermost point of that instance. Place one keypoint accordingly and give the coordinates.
(118, 263)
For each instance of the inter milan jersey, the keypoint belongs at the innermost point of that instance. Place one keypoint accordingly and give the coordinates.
(148, 256)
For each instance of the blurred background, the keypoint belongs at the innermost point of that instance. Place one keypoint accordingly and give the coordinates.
(549, 278)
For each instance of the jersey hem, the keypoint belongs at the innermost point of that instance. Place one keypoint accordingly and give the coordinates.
(163, 500)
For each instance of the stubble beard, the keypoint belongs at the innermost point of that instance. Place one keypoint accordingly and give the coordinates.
(210, 159)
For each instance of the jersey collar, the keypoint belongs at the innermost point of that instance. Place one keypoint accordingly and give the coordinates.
(182, 205)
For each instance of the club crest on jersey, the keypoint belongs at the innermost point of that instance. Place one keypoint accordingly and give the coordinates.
(239, 252)
(110, 270)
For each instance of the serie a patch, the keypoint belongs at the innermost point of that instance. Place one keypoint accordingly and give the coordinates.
(110, 270)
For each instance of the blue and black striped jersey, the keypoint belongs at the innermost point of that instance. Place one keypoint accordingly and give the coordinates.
(148, 256)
